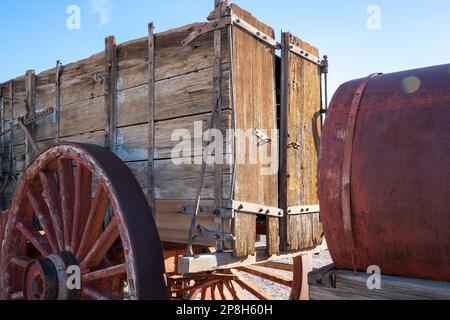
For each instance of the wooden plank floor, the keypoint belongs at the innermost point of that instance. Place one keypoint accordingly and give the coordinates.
(331, 284)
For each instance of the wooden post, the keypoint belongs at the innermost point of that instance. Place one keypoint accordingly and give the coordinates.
(111, 91)
(12, 168)
(57, 118)
(151, 119)
(2, 152)
(283, 139)
(218, 167)
(31, 110)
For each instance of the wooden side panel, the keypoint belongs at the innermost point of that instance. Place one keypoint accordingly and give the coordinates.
(255, 107)
(301, 92)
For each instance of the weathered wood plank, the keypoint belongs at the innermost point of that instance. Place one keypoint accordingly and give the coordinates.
(151, 119)
(300, 102)
(332, 284)
(174, 98)
(174, 181)
(111, 92)
(172, 59)
(168, 211)
(254, 96)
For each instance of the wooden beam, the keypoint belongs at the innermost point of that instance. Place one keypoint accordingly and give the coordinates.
(11, 168)
(267, 275)
(226, 260)
(30, 88)
(277, 266)
(217, 87)
(151, 119)
(332, 284)
(57, 117)
(111, 91)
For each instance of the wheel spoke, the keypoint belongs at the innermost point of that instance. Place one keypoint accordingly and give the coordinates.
(94, 222)
(41, 211)
(251, 287)
(105, 273)
(236, 293)
(267, 275)
(51, 193)
(67, 194)
(96, 293)
(38, 241)
(102, 246)
(82, 205)
(21, 262)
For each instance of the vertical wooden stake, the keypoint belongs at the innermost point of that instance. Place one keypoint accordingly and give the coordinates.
(151, 119)
(31, 110)
(2, 152)
(12, 167)
(57, 118)
(218, 168)
(111, 91)
(283, 140)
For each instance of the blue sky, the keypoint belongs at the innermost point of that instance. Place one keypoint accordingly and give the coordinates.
(413, 33)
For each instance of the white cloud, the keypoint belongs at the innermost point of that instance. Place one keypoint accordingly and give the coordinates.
(103, 8)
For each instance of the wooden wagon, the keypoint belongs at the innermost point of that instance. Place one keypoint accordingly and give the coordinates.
(109, 187)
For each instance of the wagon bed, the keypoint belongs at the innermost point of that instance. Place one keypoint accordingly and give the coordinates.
(132, 99)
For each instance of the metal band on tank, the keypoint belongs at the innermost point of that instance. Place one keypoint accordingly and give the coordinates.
(347, 167)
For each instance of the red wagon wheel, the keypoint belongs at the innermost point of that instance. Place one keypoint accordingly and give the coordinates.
(79, 208)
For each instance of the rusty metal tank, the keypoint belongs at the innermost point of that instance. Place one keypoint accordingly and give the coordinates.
(384, 174)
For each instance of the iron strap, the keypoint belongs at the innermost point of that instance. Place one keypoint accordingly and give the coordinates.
(231, 20)
(347, 166)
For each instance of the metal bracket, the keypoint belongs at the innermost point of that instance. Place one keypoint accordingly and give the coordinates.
(254, 31)
(305, 54)
(209, 211)
(256, 209)
(29, 120)
(261, 136)
(205, 28)
(213, 235)
(226, 21)
(300, 210)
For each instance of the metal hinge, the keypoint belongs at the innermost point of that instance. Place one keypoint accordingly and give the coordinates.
(305, 54)
(208, 210)
(213, 235)
(255, 209)
(299, 210)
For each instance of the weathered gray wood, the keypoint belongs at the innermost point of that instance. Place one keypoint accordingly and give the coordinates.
(31, 110)
(57, 116)
(226, 260)
(151, 118)
(254, 87)
(300, 100)
(332, 284)
(111, 92)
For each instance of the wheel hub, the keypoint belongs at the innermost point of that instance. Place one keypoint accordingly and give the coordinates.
(46, 279)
